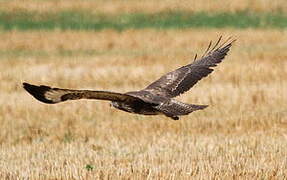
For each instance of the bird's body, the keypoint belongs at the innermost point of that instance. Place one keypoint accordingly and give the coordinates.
(157, 98)
(136, 107)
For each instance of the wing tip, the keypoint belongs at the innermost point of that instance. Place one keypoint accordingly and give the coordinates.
(38, 92)
(227, 43)
(218, 47)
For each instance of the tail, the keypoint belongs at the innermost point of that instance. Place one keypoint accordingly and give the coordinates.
(197, 107)
(185, 109)
(175, 108)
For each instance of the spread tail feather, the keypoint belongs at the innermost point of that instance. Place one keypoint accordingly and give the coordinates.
(175, 108)
(198, 107)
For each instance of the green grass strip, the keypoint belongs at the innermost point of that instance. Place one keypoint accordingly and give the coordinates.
(73, 53)
(75, 20)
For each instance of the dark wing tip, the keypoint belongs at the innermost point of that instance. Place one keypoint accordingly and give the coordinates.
(219, 51)
(215, 54)
(38, 92)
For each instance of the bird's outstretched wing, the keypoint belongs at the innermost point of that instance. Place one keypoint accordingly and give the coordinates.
(50, 95)
(181, 80)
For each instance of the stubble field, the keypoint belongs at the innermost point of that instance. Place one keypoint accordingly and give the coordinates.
(241, 135)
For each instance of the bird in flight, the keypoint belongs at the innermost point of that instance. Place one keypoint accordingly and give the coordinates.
(157, 98)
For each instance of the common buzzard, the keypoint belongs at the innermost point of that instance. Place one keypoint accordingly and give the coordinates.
(156, 98)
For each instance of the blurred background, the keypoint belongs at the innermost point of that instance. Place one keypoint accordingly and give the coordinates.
(123, 46)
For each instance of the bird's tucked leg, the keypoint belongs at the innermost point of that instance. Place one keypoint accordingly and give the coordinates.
(175, 118)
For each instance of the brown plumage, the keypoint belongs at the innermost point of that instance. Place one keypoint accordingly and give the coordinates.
(156, 98)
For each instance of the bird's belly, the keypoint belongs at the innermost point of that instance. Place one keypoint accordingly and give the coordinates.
(148, 111)
(145, 110)
(138, 108)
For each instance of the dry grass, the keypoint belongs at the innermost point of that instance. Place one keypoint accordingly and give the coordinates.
(128, 6)
(242, 134)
